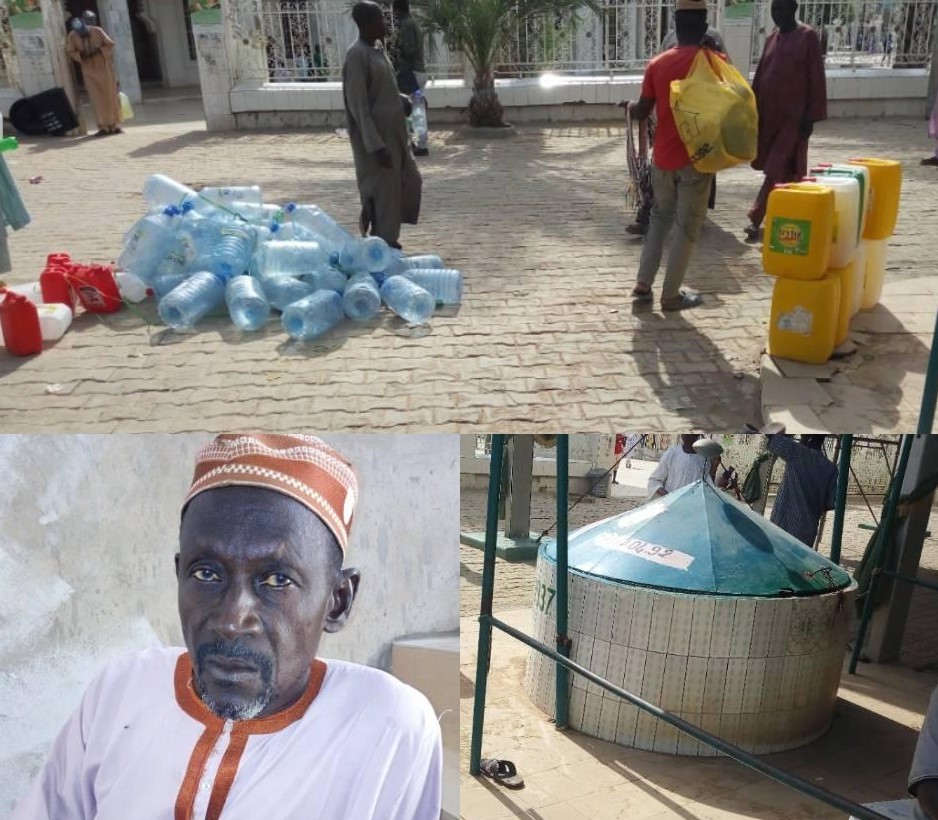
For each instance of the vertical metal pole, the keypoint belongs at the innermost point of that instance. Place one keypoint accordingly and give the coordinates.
(926, 419)
(484, 656)
(879, 554)
(563, 642)
(843, 481)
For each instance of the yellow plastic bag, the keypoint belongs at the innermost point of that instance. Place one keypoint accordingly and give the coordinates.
(716, 115)
(127, 110)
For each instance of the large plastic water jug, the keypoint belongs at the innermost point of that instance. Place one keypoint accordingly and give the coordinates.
(803, 324)
(799, 231)
(885, 191)
(845, 276)
(876, 250)
(857, 172)
(847, 217)
(19, 320)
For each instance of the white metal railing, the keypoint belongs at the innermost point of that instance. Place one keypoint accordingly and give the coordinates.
(861, 33)
(619, 38)
(307, 40)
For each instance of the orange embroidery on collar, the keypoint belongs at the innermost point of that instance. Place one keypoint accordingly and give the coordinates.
(190, 703)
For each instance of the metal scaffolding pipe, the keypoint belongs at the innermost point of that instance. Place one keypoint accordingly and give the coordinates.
(562, 704)
(846, 447)
(484, 656)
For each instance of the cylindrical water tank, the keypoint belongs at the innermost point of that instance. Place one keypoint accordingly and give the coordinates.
(701, 606)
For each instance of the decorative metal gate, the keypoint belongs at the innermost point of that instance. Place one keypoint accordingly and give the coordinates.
(861, 33)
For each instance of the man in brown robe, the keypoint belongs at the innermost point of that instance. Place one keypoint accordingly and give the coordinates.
(791, 92)
(389, 183)
(93, 50)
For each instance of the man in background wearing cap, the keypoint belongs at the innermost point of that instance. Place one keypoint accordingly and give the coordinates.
(791, 93)
(680, 190)
(247, 722)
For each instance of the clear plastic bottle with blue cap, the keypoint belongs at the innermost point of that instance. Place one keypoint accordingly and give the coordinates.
(411, 302)
(290, 257)
(420, 124)
(313, 218)
(283, 290)
(327, 278)
(362, 298)
(445, 284)
(247, 303)
(150, 239)
(167, 282)
(370, 255)
(186, 304)
(313, 316)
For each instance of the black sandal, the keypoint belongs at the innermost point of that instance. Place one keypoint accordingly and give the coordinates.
(502, 771)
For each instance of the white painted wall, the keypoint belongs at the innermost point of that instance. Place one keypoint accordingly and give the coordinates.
(88, 528)
(179, 69)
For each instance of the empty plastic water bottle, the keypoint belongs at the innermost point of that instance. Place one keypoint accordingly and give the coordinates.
(313, 218)
(290, 257)
(232, 253)
(362, 299)
(148, 242)
(161, 191)
(327, 279)
(190, 301)
(285, 290)
(400, 263)
(247, 303)
(236, 193)
(408, 300)
(167, 282)
(420, 125)
(376, 254)
(445, 284)
(311, 317)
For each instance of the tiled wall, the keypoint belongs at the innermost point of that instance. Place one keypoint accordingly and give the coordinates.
(760, 673)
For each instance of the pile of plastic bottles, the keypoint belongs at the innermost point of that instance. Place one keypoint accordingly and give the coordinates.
(199, 252)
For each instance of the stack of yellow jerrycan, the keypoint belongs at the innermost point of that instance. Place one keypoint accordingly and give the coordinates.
(823, 243)
(885, 193)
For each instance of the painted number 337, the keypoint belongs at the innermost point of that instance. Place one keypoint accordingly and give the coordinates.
(543, 596)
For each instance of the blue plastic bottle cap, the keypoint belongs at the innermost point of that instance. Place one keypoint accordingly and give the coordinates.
(291, 207)
(334, 259)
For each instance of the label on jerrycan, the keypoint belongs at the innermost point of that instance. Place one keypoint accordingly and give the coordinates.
(791, 237)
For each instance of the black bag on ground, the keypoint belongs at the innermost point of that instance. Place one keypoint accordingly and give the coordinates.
(48, 112)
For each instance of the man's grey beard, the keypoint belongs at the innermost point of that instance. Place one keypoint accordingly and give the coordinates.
(236, 710)
(228, 708)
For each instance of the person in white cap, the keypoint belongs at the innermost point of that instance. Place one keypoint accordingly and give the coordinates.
(680, 190)
(247, 721)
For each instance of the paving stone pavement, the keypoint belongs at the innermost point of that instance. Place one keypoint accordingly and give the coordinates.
(514, 582)
(546, 335)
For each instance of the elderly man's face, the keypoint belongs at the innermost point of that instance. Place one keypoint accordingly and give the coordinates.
(260, 579)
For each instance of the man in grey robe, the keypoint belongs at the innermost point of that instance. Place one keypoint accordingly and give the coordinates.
(388, 180)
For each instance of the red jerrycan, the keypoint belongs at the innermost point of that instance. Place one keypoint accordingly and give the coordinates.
(55, 286)
(19, 321)
(97, 288)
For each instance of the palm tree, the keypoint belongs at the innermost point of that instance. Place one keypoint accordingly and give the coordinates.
(479, 28)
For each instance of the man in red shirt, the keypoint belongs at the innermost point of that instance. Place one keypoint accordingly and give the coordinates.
(681, 192)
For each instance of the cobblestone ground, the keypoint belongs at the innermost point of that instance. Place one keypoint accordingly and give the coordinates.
(514, 582)
(546, 335)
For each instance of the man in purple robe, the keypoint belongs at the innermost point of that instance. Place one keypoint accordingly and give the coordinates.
(791, 93)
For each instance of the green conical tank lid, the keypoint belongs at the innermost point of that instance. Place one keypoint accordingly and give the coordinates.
(699, 539)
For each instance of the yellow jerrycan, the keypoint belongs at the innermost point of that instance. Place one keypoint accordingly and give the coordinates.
(875, 252)
(847, 279)
(805, 315)
(799, 231)
(885, 191)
